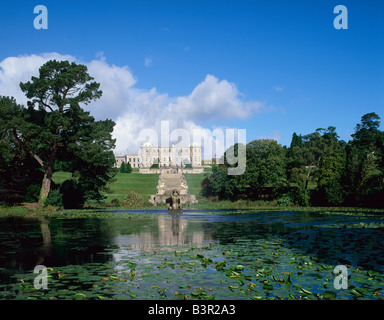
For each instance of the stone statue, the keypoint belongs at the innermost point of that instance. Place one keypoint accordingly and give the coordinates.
(183, 188)
(175, 206)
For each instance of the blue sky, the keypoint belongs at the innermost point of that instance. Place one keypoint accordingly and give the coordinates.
(283, 55)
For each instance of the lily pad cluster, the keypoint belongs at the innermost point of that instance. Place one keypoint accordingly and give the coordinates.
(264, 269)
(275, 256)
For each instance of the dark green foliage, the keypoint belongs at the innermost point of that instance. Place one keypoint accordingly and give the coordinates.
(364, 177)
(55, 199)
(59, 125)
(32, 193)
(128, 168)
(317, 169)
(367, 132)
(284, 201)
(218, 184)
(19, 172)
(301, 195)
(297, 142)
(265, 173)
(115, 202)
(123, 168)
(55, 133)
(266, 165)
(72, 194)
(350, 174)
(330, 194)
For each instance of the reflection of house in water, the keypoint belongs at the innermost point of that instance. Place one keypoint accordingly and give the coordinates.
(174, 232)
(170, 231)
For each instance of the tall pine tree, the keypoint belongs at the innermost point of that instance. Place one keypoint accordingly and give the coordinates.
(55, 128)
(123, 168)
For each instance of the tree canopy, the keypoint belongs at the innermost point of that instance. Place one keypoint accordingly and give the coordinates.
(316, 169)
(54, 129)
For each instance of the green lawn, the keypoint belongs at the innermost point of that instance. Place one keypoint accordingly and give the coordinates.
(60, 176)
(194, 182)
(144, 184)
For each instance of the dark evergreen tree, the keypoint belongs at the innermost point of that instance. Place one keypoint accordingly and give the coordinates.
(128, 168)
(54, 129)
(365, 163)
(123, 168)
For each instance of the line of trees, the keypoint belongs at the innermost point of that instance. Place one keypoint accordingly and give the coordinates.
(54, 133)
(317, 169)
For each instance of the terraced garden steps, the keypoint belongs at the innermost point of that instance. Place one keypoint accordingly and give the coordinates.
(169, 182)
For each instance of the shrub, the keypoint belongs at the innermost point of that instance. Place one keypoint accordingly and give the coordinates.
(115, 202)
(54, 199)
(301, 196)
(133, 199)
(284, 201)
(33, 191)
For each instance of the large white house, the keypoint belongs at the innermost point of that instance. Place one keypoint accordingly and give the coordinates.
(164, 156)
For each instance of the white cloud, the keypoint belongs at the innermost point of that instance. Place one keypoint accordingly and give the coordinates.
(14, 70)
(132, 108)
(116, 83)
(214, 100)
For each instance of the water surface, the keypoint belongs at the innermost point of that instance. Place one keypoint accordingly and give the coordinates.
(197, 254)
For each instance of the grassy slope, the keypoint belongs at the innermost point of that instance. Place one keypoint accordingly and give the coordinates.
(144, 184)
(194, 183)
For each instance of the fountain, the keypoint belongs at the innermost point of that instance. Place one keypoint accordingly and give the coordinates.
(174, 202)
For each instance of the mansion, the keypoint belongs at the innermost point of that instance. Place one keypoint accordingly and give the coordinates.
(163, 156)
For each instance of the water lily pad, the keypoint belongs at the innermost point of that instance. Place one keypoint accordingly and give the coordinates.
(79, 296)
(329, 295)
(357, 292)
(305, 291)
(267, 286)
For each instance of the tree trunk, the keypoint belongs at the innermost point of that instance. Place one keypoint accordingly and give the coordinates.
(46, 186)
(309, 172)
(308, 175)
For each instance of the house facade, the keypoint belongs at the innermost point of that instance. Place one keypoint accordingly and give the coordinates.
(163, 156)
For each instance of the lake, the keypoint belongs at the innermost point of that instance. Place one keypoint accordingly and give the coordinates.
(199, 254)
